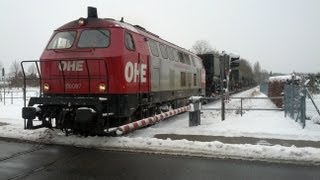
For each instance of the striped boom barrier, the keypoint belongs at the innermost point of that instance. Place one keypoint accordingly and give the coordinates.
(124, 129)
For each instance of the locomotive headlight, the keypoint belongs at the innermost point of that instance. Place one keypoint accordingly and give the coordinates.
(81, 22)
(46, 87)
(102, 87)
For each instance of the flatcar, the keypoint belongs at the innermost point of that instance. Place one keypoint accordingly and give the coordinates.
(97, 73)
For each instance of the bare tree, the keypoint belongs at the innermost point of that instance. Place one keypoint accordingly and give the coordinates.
(260, 75)
(16, 75)
(265, 75)
(32, 69)
(15, 68)
(314, 83)
(202, 47)
(246, 73)
(1, 77)
(32, 76)
(257, 72)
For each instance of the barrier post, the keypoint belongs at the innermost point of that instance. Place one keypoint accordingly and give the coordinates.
(222, 89)
(241, 107)
(194, 113)
(303, 107)
(4, 94)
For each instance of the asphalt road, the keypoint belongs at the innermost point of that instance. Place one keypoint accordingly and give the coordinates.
(20, 160)
(241, 140)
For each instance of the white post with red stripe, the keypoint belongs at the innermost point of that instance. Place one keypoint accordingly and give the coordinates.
(150, 120)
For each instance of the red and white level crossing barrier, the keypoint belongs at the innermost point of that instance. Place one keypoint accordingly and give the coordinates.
(150, 120)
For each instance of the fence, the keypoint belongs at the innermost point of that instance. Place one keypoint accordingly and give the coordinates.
(241, 107)
(295, 103)
(312, 107)
(264, 88)
(194, 114)
(12, 96)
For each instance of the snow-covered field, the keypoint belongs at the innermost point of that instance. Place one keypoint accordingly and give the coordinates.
(260, 124)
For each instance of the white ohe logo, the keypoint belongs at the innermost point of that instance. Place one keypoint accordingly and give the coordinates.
(71, 65)
(133, 72)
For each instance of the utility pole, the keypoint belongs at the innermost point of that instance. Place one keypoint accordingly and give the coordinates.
(227, 61)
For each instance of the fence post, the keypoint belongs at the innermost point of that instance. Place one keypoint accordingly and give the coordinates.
(292, 102)
(241, 107)
(303, 107)
(4, 95)
(222, 76)
(11, 97)
(223, 107)
(285, 104)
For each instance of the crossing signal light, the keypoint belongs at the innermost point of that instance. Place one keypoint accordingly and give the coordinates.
(234, 62)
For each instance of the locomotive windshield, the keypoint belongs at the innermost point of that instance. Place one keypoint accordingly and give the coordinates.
(94, 39)
(62, 40)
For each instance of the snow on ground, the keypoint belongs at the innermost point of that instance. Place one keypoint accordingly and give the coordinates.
(261, 124)
(312, 112)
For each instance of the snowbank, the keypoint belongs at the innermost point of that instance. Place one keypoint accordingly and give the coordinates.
(260, 124)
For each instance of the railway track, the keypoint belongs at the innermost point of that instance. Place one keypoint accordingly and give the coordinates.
(19, 160)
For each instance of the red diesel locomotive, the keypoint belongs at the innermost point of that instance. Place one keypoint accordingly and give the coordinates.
(100, 73)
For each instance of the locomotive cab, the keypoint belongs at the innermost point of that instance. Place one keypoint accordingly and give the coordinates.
(75, 70)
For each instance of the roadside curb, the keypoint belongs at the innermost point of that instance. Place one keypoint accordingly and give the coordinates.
(210, 150)
(242, 140)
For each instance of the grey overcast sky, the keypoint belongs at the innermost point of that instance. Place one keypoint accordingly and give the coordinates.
(283, 35)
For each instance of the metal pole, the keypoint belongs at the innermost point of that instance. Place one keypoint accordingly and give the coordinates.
(303, 108)
(241, 107)
(292, 101)
(11, 97)
(4, 91)
(222, 107)
(285, 100)
(222, 59)
(24, 87)
(3, 84)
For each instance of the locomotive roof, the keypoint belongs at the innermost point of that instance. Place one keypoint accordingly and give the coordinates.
(90, 23)
(111, 23)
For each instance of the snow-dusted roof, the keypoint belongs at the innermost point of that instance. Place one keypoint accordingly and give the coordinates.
(283, 78)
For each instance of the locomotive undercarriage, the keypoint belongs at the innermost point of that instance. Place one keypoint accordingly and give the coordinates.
(96, 115)
(79, 115)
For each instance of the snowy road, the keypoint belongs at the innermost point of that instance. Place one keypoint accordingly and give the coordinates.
(32, 161)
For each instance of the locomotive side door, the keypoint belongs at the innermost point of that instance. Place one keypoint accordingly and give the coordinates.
(154, 65)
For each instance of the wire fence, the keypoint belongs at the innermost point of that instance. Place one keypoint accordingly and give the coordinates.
(242, 104)
(301, 105)
(312, 108)
(295, 103)
(12, 96)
